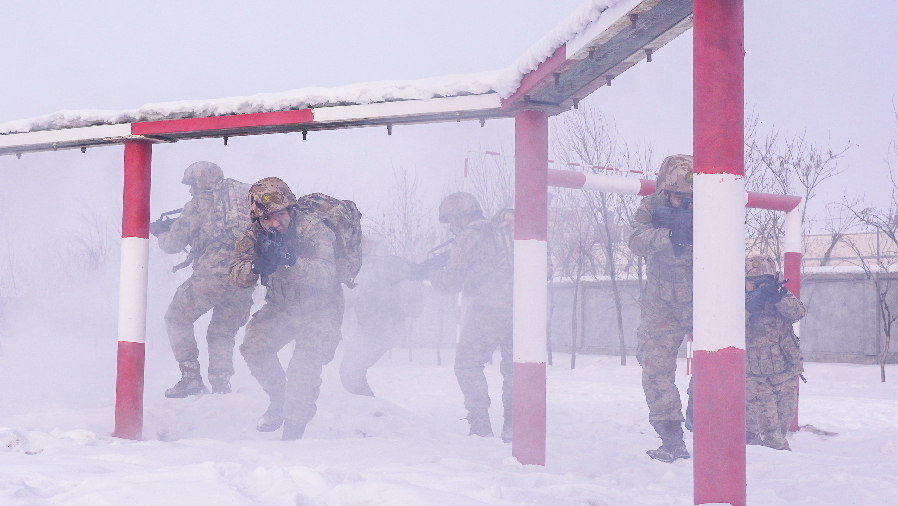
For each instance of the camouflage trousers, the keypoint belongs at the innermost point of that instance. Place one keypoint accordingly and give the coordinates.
(662, 328)
(484, 329)
(316, 336)
(769, 409)
(230, 310)
(373, 338)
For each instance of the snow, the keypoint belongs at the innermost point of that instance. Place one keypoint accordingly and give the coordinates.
(406, 446)
(504, 82)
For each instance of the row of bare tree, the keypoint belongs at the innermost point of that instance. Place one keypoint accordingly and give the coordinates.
(588, 230)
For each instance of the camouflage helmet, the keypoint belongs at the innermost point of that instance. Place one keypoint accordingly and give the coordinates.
(675, 174)
(459, 205)
(269, 196)
(759, 265)
(203, 175)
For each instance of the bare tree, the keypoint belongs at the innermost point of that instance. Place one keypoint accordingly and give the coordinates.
(884, 222)
(586, 138)
(877, 268)
(573, 243)
(490, 178)
(406, 227)
(783, 165)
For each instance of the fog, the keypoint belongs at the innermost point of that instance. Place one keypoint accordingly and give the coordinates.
(821, 68)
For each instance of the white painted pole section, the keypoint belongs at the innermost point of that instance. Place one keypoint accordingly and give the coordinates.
(792, 225)
(613, 184)
(719, 262)
(132, 317)
(530, 301)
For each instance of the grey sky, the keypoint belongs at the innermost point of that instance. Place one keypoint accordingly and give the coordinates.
(823, 67)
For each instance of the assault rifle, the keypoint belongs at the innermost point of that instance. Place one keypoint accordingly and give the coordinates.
(271, 251)
(679, 221)
(436, 259)
(163, 224)
(768, 288)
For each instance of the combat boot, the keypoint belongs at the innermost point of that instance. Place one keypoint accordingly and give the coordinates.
(672, 445)
(274, 415)
(753, 438)
(191, 381)
(220, 380)
(480, 424)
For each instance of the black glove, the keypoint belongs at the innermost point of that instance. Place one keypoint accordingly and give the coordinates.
(769, 289)
(264, 267)
(271, 251)
(679, 221)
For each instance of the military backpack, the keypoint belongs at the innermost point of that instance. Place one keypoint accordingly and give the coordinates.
(345, 221)
(503, 234)
(230, 206)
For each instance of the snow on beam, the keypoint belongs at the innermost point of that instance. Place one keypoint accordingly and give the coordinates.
(69, 138)
(625, 33)
(358, 115)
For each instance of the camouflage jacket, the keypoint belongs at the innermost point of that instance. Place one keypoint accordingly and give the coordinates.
(197, 227)
(771, 347)
(667, 275)
(479, 265)
(308, 285)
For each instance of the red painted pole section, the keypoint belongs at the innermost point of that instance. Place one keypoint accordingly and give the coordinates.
(129, 391)
(531, 225)
(792, 272)
(531, 195)
(718, 86)
(719, 469)
(132, 317)
(136, 193)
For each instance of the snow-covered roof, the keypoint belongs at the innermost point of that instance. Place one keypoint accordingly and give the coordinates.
(566, 54)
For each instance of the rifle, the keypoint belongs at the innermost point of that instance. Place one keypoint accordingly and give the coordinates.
(768, 288)
(435, 260)
(679, 221)
(271, 251)
(164, 223)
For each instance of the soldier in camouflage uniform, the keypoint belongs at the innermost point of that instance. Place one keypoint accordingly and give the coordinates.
(481, 264)
(773, 358)
(382, 301)
(293, 252)
(208, 288)
(666, 301)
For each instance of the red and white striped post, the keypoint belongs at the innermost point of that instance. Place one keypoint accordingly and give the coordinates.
(792, 272)
(132, 317)
(719, 251)
(530, 299)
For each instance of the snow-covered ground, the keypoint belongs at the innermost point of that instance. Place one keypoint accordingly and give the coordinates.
(408, 446)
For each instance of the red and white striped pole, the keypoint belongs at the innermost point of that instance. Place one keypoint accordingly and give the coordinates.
(530, 295)
(792, 272)
(132, 317)
(719, 470)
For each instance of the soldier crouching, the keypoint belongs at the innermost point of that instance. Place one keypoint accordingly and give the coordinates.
(292, 251)
(773, 357)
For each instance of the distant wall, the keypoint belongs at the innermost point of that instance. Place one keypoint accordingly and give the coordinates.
(843, 322)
